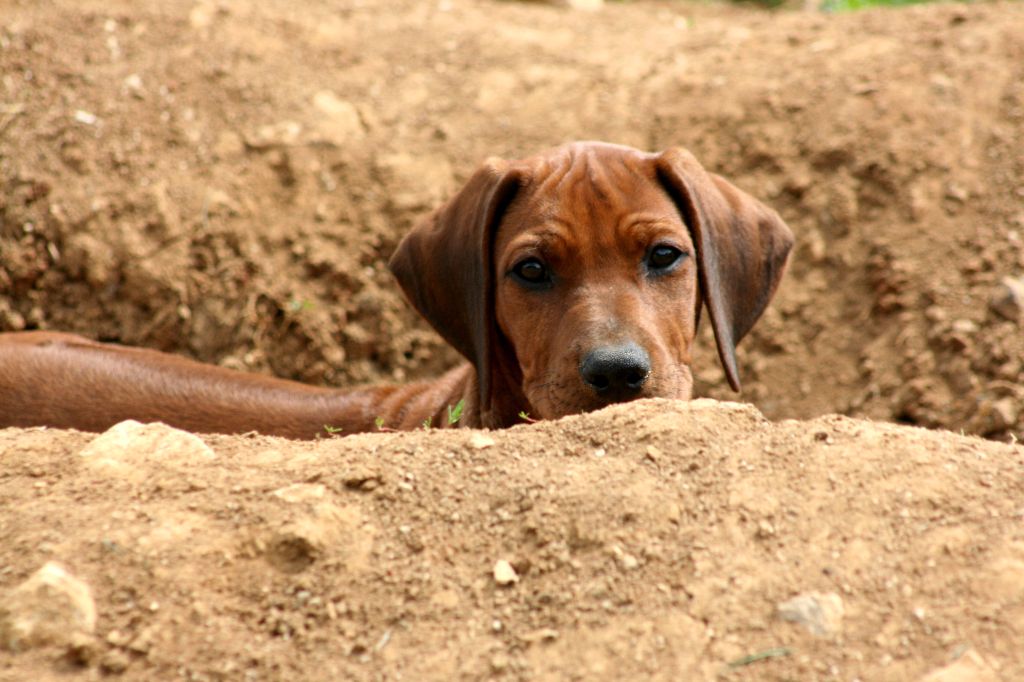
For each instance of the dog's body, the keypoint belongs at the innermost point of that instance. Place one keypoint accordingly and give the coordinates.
(569, 280)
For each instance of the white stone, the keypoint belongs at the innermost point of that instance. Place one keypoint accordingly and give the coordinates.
(504, 574)
(1008, 299)
(85, 117)
(821, 613)
(480, 441)
(970, 667)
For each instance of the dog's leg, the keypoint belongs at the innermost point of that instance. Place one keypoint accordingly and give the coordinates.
(66, 381)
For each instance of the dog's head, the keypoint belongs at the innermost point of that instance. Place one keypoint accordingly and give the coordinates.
(575, 278)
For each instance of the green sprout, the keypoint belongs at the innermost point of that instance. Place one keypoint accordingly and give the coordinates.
(454, 414)
(379, 423)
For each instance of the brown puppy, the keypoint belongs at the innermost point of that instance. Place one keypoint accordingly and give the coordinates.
(569, 280)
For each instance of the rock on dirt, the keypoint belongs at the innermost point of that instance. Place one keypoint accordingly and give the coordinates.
(504, 573)
(821, 614)
(51, 607)
(969, 667)
(481, 441)
(1008, 299)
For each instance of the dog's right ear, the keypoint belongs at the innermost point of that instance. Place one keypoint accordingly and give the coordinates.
(444, 265)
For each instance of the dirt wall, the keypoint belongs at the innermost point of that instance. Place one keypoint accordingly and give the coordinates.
(227, 180)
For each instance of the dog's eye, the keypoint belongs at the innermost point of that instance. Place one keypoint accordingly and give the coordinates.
(662, 258)
(531, 271)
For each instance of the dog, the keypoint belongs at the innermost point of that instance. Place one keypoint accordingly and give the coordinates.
(569, 280)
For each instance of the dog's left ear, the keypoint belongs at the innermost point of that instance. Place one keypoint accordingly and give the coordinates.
(742, 247)
(444, 265)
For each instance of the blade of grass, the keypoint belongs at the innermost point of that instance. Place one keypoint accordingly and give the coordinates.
(777, 652)
(455, 414)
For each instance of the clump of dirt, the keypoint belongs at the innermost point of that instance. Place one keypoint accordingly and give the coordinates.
(226, 180)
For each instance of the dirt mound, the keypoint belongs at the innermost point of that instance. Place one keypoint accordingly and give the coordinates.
(227, 179)
(659, 540)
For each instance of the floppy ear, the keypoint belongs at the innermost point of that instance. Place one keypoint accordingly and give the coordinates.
(444, 265)
(741, 243)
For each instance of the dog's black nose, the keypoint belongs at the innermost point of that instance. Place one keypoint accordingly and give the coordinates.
(616, 372)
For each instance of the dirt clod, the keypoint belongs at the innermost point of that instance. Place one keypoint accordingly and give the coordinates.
(114, 662)
(129, 443)
(51, 607)
(82, 650)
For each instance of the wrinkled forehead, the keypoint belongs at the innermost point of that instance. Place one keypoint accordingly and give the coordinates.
(595, 190)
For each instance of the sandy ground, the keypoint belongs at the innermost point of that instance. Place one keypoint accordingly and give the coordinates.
(226, 180)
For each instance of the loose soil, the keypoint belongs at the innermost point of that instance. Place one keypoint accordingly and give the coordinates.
(226, 180)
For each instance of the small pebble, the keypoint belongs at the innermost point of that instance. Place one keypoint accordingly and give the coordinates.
(1007, 300)
(629, 562)
(480, 441)
(821, 613)
(85, 117)
(964, 327)
(504, 574)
